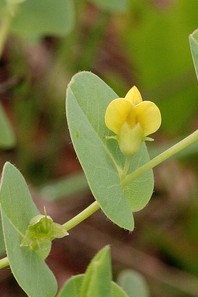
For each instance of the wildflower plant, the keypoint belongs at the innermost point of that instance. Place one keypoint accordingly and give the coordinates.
(118, 170)
(115, 179)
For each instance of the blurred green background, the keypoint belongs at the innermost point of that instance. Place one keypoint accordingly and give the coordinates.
(141, 42)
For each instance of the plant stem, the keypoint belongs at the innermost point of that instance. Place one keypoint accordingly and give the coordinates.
(162, 157)
(4, 262)
(124, 171)
(87, 212)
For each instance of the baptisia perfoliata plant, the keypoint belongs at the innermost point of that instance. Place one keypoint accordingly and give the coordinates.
(132, 120)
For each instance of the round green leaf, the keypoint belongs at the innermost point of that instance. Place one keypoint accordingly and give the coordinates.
(87, 99)
(133, 283)
(36, 18)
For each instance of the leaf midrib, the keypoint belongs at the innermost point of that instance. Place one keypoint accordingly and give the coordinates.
(117, 166)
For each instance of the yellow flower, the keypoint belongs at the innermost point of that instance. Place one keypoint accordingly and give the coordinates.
(132, 120)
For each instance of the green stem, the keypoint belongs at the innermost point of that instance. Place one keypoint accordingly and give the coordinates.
(126, 168)
(87, 212)
(162, 157)
(4, 262)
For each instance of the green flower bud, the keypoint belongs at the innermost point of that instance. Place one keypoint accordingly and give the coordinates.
(40, 233)
(130, 139)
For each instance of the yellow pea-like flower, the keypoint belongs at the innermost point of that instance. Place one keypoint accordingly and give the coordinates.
(132, 120)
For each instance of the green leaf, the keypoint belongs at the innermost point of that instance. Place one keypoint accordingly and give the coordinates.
(7, 138)
(133, 283)
(97, 280)
(64, 187)
(112, 6)
(72, 287)
(17, 209)
(37, 18)
(15, 198)
(87, 99)
(193, 38)
(117, 291)
(30, 271)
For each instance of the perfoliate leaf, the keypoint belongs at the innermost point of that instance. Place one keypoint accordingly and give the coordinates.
(87, 99)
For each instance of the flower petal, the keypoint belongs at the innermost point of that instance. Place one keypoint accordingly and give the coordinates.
(134, 96)
(117, 113)
(149, 117)
(130, 139)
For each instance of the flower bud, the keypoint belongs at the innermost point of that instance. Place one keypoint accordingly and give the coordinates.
(130, 140)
